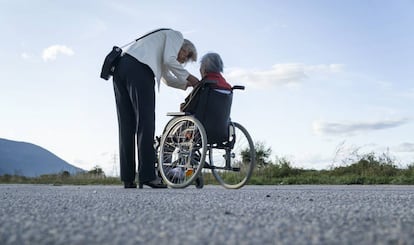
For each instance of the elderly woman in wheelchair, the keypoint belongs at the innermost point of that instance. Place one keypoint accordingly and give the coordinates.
(202, 136)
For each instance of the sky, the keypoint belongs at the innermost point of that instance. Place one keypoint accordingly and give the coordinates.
(325, 80)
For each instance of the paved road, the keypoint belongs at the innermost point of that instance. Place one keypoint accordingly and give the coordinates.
(43, 214)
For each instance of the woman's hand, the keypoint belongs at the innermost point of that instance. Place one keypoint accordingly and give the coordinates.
(192, 81)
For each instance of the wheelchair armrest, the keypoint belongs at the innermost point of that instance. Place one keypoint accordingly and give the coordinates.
(238, 87)
(179, 113)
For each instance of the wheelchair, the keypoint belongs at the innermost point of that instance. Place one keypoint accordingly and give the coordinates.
(206, 140)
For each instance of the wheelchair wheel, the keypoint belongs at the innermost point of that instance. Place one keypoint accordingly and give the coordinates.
(233, 165)
(182, 151)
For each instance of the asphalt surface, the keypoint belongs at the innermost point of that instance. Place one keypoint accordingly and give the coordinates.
(43, 214)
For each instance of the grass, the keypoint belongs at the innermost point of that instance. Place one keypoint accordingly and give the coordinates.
(62, 179)
(368, 170)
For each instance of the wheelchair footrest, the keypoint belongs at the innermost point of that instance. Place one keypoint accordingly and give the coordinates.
(206, 165)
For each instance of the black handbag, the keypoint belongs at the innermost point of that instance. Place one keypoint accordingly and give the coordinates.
(111, 59)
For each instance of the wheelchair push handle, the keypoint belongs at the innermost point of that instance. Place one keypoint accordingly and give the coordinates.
(238, 87)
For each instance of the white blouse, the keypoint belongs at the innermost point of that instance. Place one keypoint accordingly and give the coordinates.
(159, 51)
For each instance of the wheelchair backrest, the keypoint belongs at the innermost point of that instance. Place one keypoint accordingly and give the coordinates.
(213, 111)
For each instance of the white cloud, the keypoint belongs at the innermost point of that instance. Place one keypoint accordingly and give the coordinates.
(281, 74)
(323, 69)
(349, 128)
(50, 53)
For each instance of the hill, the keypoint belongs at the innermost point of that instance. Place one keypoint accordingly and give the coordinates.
(30, 160)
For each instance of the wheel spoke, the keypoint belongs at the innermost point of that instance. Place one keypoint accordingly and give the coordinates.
(182, 151)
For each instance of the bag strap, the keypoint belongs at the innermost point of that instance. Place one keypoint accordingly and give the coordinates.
(136, 40)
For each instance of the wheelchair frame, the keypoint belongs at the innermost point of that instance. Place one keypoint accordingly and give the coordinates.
(184, 152)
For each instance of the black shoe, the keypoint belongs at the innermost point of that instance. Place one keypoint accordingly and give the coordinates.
(128, 185)
(157, 183)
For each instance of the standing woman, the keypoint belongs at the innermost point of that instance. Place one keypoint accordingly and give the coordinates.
(158, 56)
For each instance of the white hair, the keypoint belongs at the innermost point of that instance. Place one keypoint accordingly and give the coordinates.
(212, 63)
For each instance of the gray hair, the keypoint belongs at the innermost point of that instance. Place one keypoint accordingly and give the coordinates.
(191, 49)
(212, 63)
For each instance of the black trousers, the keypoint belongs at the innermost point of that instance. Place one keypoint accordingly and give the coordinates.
(135, 104)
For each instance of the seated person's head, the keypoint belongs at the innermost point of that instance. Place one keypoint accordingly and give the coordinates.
(211, 63)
